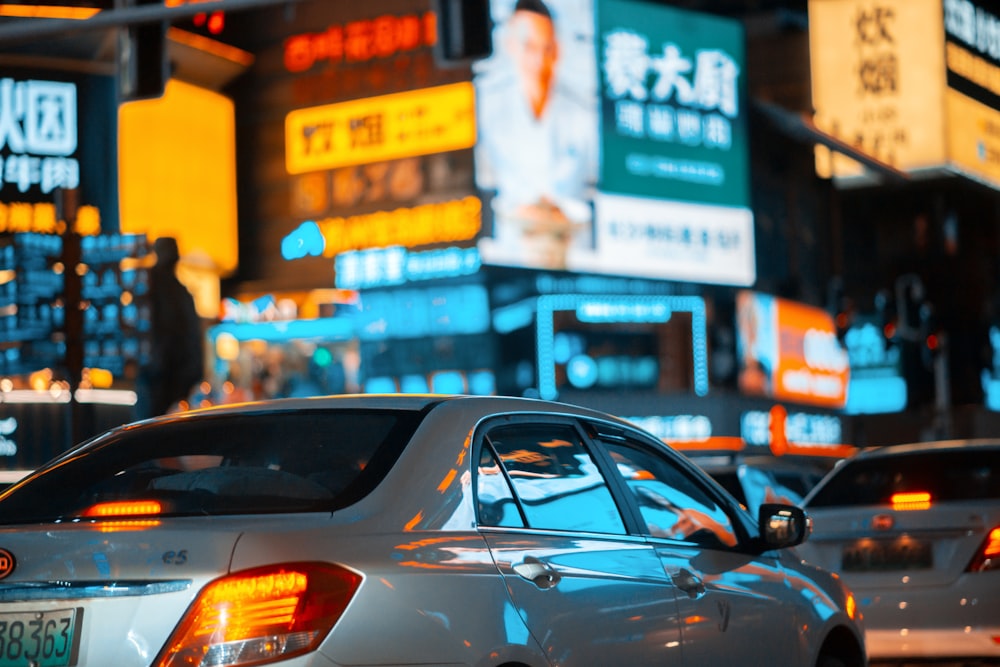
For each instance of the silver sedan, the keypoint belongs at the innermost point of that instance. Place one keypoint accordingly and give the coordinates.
(403, 530)
(915, 530)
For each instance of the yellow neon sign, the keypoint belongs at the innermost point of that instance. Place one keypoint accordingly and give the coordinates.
(388, 127)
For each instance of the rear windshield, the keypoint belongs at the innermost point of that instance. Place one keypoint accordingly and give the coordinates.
(951, 475)
(302, 461)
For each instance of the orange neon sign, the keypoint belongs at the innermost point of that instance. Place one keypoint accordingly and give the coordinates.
(40, 217)
(442, 222)
(360, 41)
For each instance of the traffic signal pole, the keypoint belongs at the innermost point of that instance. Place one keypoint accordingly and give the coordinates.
(22, 31)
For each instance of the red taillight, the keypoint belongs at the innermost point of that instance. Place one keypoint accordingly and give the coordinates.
(911, 500)
(988, 556)
(124, 508)
(260, 616)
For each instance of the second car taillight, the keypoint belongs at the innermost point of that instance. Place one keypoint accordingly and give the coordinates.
(262, 615)
(988, 556)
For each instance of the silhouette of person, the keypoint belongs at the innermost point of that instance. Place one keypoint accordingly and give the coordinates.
(176, 361)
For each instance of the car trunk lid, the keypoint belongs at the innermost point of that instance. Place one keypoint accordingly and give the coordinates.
(112, 592)
(912, 546)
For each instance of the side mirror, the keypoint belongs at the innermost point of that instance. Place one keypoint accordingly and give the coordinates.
(783, 526)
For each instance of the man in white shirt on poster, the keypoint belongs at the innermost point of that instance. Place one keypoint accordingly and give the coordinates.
(537, 148)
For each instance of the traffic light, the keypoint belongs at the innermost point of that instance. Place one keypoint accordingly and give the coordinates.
(885, 306)
(931, 337)
(143, 67)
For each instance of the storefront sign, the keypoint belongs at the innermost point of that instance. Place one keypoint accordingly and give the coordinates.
(445, 222)
(383, 267)
(40, 217)
(361, 41)
(676, 428)
(972, 100)
(789, 351)
(877, 384)
(55, 129)
(913, 83)
(38, 135)
(418, 122)
(799, 433)
(262, 309)
(417, 313)
(877, 81)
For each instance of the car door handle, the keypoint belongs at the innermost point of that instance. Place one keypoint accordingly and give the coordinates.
(538, 573)
(689, 582)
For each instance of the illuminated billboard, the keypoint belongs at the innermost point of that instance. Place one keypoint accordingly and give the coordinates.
(913, 83)
(416, 122)
(615, 146)
(160, 155)
(54, 131)
(354, 139)
(789, 351)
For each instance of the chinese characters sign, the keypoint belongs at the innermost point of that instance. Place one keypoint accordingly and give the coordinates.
(878, 83)
(38, 135)
(919, 88)
(673, 120)
(361, 40)
(674, 191)
(418, 122)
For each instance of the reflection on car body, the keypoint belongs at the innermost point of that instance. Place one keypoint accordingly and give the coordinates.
(467, 530)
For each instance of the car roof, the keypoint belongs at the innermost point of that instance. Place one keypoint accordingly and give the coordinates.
(930, 446)
(415, 402)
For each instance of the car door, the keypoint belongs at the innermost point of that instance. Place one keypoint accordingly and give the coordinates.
(589, 592)
(735, 605)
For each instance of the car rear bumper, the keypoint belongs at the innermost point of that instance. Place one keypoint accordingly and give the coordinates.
(937, 644)
(947, 622)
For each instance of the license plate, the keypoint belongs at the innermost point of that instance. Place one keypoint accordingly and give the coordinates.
(40, 639)
(881, 555)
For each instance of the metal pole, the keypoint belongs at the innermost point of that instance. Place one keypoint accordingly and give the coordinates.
(21, 31)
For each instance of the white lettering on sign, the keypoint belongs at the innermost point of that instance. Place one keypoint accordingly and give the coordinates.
(800, 427)
(647, 87)
(973, 25)
(676, 428)
(38, 126)
(823, 352)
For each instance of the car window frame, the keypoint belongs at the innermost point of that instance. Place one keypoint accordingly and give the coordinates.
(744, 526)
(480, 441)
(591, 429)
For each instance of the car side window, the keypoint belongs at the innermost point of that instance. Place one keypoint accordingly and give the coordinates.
(557, 484)
(672, 503)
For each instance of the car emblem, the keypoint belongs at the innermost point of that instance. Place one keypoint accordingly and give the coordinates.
(7, 563)
(882, 521)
